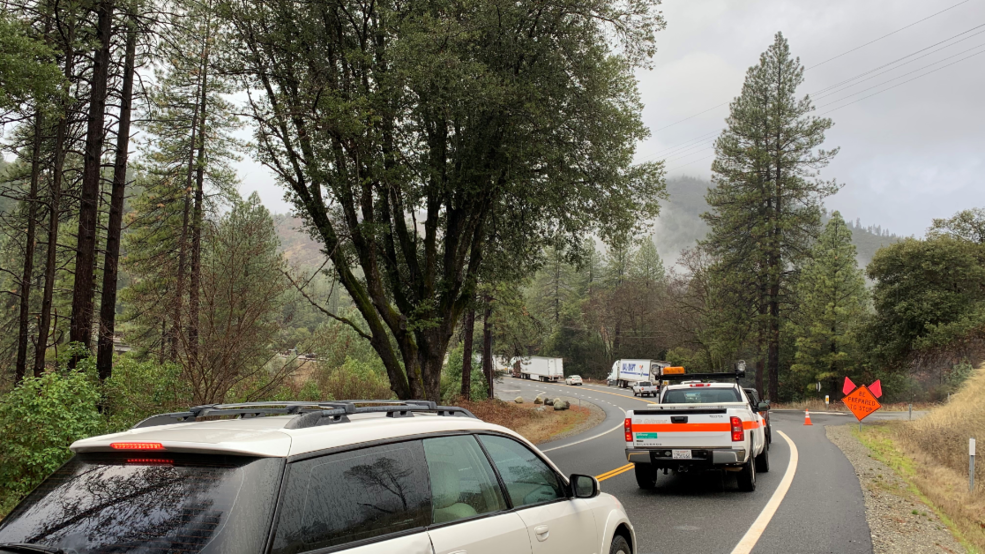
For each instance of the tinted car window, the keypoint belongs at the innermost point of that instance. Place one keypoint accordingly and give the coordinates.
(152, 505)
(700, 396)
(463, 484)
(353, 496)
(527, 478)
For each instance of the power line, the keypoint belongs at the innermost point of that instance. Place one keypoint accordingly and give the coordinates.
(827, 60)
(900, 84)
(887, 35)
(837, 90)
(682, 152)
(911, 54)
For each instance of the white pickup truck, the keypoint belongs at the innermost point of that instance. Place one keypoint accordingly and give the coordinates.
(698, 426)
(645, 388)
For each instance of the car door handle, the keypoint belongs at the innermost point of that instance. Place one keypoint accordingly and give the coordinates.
(542, 532)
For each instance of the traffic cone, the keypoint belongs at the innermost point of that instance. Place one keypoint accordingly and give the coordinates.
(807, 418)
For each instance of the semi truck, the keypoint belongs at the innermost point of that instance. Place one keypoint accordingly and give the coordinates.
(540, 368)
(626, 373)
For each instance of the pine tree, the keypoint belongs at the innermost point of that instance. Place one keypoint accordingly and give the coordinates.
(833, 297)
(766, 202)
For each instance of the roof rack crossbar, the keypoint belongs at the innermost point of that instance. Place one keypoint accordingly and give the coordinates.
(307, 414)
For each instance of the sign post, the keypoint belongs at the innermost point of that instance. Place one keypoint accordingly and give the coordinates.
(971, 466)
(862, 403)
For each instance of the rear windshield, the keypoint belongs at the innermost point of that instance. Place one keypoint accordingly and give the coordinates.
(646, 384)
(153, 505)
(700, 396)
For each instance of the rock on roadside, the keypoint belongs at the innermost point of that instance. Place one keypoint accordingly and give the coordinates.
(890, 506)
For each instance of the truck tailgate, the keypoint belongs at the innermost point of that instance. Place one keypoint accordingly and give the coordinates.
(682, 425)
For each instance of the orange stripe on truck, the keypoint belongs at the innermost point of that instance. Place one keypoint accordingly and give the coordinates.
(750, 425)
(681, 427)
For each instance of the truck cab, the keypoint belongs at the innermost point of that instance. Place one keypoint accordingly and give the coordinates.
(698, 426)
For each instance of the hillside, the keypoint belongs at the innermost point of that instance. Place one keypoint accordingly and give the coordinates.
(298, 247)
(680, 225)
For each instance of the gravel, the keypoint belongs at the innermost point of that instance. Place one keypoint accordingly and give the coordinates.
(900, 522)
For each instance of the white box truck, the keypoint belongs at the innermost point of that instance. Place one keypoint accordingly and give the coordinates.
(540, 368)
(625, 373)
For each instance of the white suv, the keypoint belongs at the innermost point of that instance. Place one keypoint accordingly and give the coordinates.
(283, 478)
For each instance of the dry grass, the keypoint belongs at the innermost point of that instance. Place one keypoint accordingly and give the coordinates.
(932, 454)
(536, 427)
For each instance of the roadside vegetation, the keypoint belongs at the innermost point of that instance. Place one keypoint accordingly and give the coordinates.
(931, 454)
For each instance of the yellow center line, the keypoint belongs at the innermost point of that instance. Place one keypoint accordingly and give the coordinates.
(614, 472)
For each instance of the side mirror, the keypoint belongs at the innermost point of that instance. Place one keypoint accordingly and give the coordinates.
(585, 486)
(764, 406)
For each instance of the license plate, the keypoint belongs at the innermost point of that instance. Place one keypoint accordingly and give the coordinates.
(682, 454)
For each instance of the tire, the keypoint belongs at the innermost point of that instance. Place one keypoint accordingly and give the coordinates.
(763, 460)
(646, 476)
(747, 477)
(620, 546)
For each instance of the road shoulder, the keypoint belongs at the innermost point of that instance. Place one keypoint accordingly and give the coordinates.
(898, 520)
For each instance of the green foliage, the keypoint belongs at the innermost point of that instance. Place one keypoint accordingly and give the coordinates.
(39, 419)
(28, 74)
(832, 299)
(451, 377)
(141, 388)
(928, 294)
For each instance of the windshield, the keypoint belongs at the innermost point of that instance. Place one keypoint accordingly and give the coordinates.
(700, 396)
(646, 384)
(153, 505)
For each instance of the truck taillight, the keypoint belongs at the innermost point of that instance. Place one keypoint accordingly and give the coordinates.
(738, 435)
(627, 426)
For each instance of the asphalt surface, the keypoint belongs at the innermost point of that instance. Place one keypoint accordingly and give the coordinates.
(822, 511)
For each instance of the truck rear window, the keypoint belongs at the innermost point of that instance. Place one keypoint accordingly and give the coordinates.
(700, 396)
(155, 505)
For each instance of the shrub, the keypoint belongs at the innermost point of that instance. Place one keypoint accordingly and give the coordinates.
(140, 389)
(354, 380)
(39, 419)
(451, 377)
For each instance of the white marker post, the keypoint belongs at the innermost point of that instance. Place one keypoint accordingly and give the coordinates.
(971, 466)
(827, 399)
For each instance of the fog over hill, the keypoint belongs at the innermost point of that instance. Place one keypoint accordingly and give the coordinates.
(679, 226)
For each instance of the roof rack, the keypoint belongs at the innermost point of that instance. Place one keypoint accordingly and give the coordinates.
(306, 414)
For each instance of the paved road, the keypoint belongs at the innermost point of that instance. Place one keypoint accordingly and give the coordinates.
(822, 510)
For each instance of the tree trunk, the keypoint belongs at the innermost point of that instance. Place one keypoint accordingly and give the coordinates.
(487, 363)
(107, 306)
(467, 356)
(85, 258)
(195, 277)
(54, 214)
(20, 369)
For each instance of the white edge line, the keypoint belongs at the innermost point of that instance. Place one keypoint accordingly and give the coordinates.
(619, 426)
(751, 537)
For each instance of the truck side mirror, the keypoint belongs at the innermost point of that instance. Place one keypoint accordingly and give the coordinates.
(764, 406)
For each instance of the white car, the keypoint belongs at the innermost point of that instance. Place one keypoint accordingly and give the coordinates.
(573, 380)
(360, 478)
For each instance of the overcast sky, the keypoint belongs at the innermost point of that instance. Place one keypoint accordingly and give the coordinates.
(908, 155)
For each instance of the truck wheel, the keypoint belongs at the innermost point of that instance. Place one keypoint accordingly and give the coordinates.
(646, 476)
(763, 460)
(747, 477)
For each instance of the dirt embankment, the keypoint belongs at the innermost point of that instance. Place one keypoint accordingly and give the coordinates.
(537, 425)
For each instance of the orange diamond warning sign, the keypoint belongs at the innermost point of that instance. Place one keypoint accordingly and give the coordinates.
(861, 402)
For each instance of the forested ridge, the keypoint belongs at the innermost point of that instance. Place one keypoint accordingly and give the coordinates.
(463, 190)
